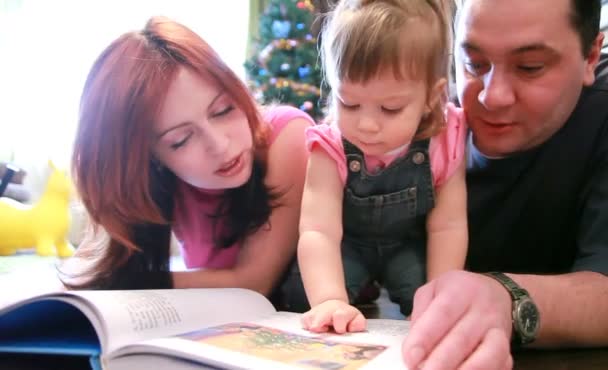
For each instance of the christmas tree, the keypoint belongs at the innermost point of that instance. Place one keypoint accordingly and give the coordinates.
(284, 67)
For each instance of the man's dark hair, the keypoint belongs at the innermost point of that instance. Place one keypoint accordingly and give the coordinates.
(585, 19)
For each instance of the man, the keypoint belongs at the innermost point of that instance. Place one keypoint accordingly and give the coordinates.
(535, 94)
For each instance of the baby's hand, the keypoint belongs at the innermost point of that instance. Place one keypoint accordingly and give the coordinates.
(335, 314)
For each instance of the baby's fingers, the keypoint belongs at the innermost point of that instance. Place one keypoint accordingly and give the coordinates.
(348, 319)
(320, 321)
(306, 320)
(358, 323)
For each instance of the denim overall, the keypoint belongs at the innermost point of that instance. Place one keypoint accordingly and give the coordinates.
(384, 222)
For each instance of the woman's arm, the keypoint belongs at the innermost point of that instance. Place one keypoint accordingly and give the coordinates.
(447, 226)
(319, 253)
(265, 254)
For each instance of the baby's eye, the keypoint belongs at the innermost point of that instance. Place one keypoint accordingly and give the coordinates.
(349, 106)
(392, 110)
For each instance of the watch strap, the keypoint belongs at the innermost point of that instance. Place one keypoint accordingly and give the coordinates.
(517, 293)
(514, 290)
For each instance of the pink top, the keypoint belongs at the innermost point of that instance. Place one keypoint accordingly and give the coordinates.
(446, 150)
(192, 225)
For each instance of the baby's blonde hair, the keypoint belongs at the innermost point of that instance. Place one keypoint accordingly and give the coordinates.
(363, 38)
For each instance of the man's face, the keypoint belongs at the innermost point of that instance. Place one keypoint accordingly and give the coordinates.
(519, 71)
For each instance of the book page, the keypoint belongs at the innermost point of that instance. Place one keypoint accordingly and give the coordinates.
(121, 317)
(389, 333)
(131, 316)
(278, 341)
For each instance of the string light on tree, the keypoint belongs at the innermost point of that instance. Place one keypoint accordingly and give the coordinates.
(284, 67)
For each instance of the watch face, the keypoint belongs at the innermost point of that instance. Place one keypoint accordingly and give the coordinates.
(528, 318)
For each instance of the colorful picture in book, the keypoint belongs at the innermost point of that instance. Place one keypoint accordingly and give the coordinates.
(289, 348)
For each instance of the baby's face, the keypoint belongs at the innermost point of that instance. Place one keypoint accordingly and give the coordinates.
(382, 114)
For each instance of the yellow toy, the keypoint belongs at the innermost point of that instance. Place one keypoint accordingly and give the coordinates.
(43, 225)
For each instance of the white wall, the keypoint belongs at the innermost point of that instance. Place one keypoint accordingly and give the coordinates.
(47, 48)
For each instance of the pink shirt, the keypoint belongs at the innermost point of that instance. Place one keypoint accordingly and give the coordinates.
(446, 150)
(193, 227)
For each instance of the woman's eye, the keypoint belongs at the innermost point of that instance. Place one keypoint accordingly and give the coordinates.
(223, 111)
(181, 143)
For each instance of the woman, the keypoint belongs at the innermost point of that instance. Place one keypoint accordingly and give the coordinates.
(170, 138)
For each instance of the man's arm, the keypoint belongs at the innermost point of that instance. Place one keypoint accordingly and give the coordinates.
(573, 308)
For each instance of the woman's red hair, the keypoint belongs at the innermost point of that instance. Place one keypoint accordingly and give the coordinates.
(122, 97)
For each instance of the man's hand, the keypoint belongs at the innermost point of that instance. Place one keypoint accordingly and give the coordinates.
(460, 320)
(335, 314)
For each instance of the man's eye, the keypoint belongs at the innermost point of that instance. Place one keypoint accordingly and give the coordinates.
(475, 68)
(531, 68)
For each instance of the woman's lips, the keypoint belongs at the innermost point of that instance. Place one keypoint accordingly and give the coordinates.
(231, 167)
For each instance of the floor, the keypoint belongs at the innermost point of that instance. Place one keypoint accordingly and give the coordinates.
(383, 308)
(26, 274)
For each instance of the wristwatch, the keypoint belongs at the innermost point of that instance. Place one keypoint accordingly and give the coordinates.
(525, 314)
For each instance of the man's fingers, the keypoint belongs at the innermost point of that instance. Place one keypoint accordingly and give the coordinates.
(422, 299)
(509, 363)
(458, 344)
(438, 319)
(493, 353)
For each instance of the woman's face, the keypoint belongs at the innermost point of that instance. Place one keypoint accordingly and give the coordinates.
(201, 135)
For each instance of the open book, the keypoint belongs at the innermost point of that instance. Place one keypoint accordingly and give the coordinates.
(188, 329)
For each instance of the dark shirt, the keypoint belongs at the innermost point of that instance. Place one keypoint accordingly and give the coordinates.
(545, 211)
